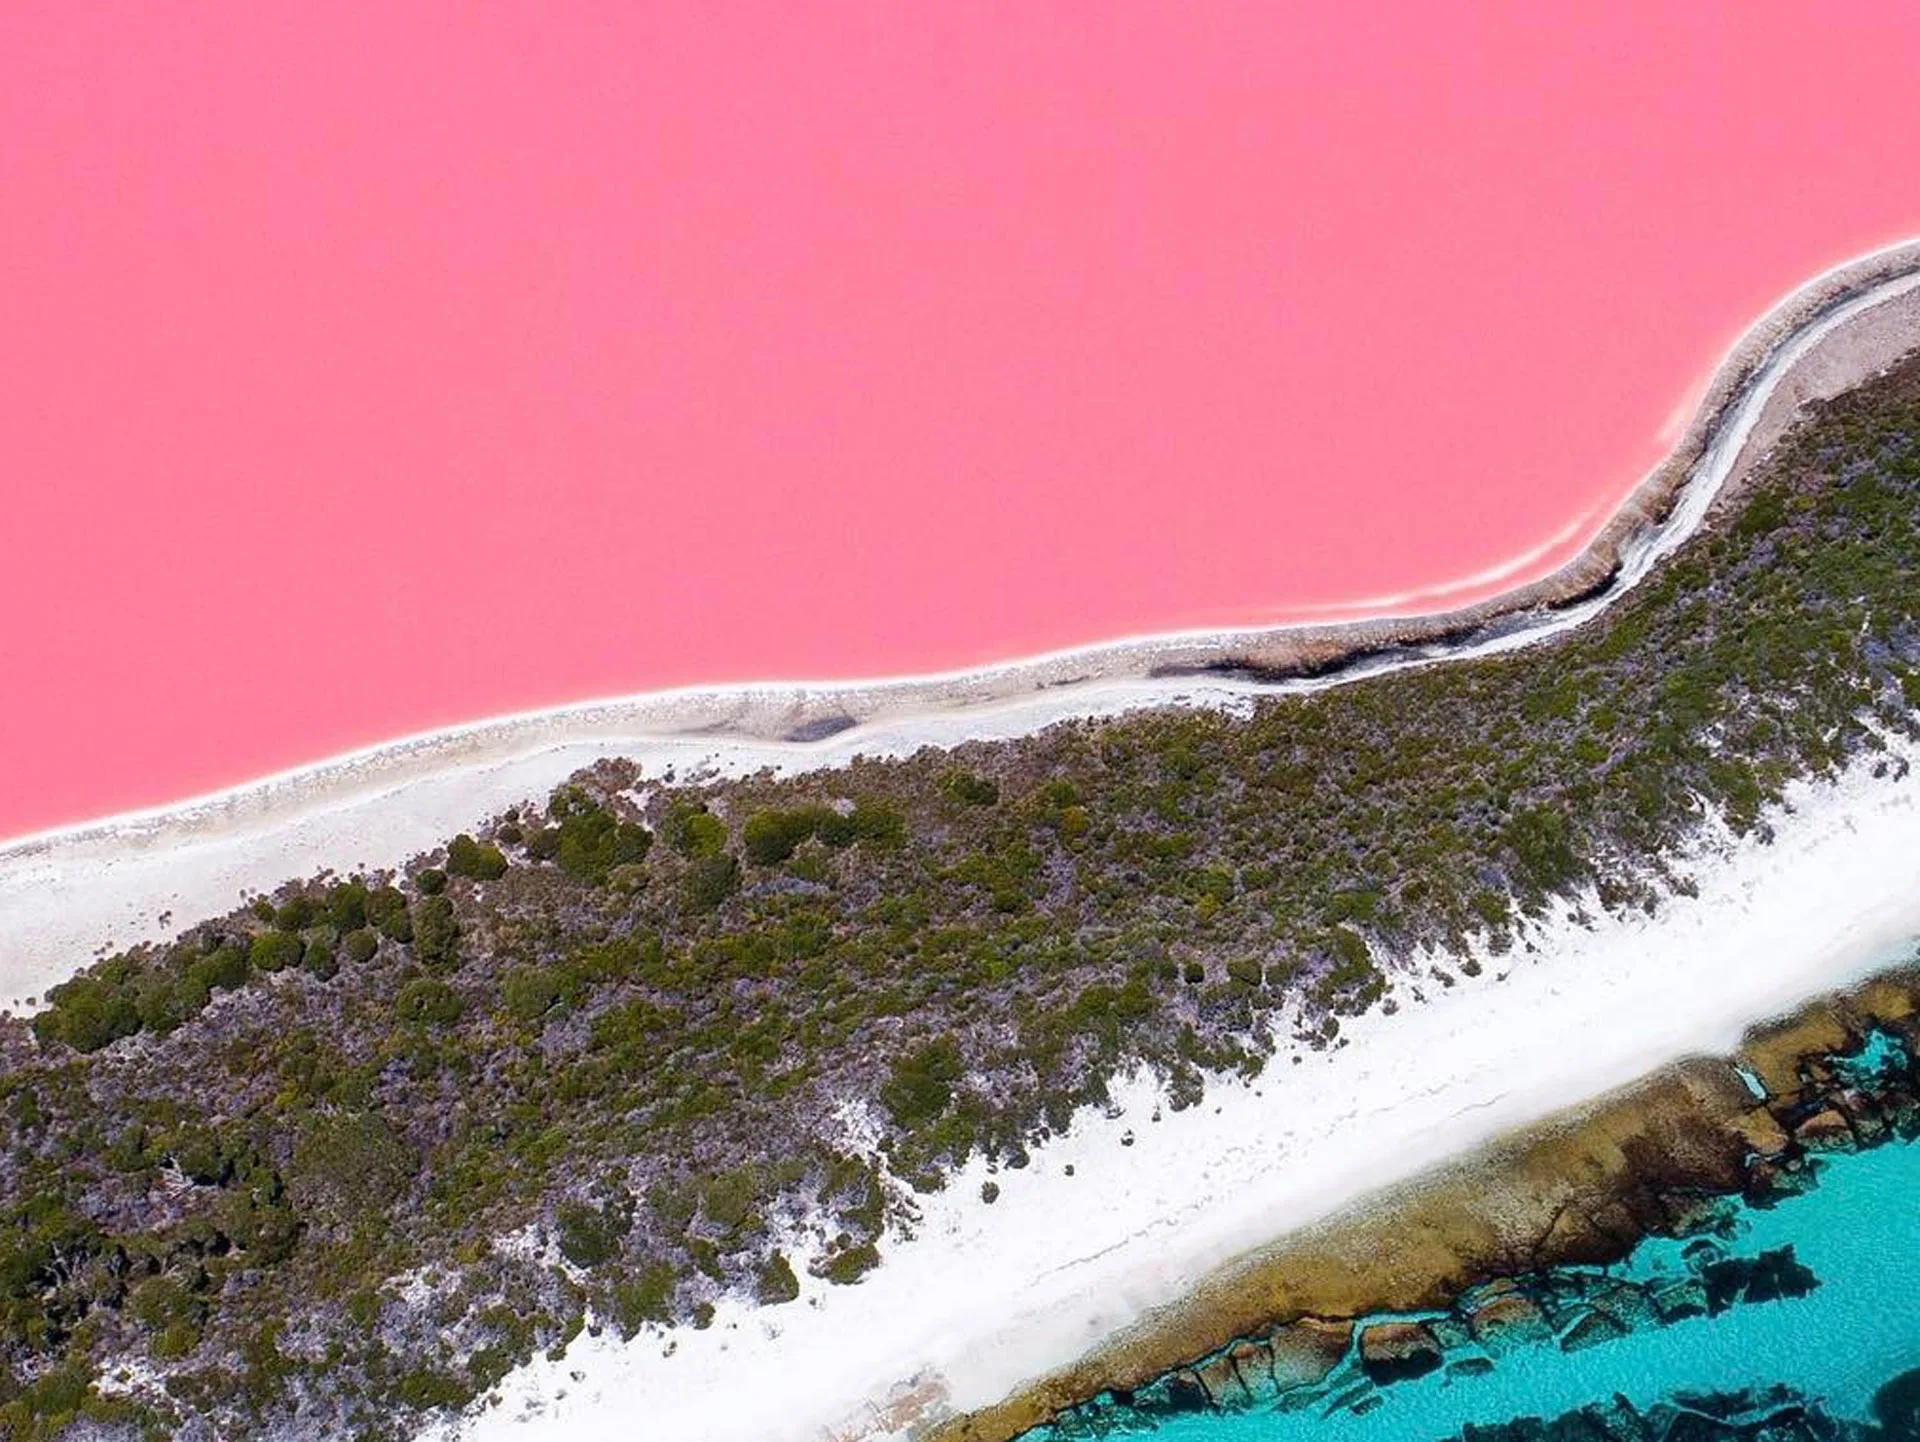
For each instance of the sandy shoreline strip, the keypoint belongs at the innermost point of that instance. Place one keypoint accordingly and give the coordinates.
(69, 893)
(987, 1298)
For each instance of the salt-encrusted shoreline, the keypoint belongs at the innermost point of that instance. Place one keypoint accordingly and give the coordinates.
(1100, 1231)
(67, 894)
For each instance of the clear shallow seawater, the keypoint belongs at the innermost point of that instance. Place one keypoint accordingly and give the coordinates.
(1858, 1231)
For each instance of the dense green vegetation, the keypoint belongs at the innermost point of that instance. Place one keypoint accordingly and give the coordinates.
(351, 1152)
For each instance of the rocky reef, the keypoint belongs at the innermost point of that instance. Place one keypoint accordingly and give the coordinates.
(1516, 1248)
(1327, 1365)
(1774, 1414)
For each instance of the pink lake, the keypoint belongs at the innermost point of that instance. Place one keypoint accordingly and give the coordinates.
(364, 369)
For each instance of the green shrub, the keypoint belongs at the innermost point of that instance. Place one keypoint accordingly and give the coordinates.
(588, 1236)
(320, 960)
(87, 1013)
(259, 1221)
(427, 1002)
(275, 951)
(350, 1164)
(630, 1024)
(387, 910)
(589, 841)
(694, 831)
(425, 1389)
(1542, 848)
(164, 1002)
(969, 789)
(847, 1266)
(731, 1199)
(776, 1283)
(347, 906)
(709, 881)
(436, 934)
(222, 969)
(529, 992)
(1356, 905)
(480, 861)
(361, 945)
(175, 1340)
(645, 1295)
(922, 1083)
(48, 1406)
(201, 1153)
(871, 822)
(770, 837)
(160, 1302)
(878, 824)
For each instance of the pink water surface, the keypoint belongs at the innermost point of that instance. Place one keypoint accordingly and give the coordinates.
(365, 368)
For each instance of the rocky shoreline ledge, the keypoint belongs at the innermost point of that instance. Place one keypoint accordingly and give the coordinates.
(1773, 1414)
(1494, 1253)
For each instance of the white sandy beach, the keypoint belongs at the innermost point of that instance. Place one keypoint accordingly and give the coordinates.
(985, 1297)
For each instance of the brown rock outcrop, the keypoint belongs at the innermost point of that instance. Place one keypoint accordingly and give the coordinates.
(1507, 1318)
(1395, 1351)
(1825, 1131)
(1760, 1129)
(1305, 1352)
(1592, 1329)
(1627, 1304)
(1774, 1053)
(1222, 1381)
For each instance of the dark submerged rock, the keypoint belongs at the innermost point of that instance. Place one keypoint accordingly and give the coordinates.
(1591, 1330)
(1398, 1351)
(1507, 1318)
(1304, 1353)
(1765, 1278)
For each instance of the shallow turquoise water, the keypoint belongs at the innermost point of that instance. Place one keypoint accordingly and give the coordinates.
(1858, 1231)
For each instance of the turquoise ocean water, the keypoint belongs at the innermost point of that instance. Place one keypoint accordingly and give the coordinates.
(1858, 1232)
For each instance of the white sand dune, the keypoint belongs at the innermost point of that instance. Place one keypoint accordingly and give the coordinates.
(985, 1297)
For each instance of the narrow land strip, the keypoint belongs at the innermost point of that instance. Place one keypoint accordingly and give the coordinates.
(68, 894)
